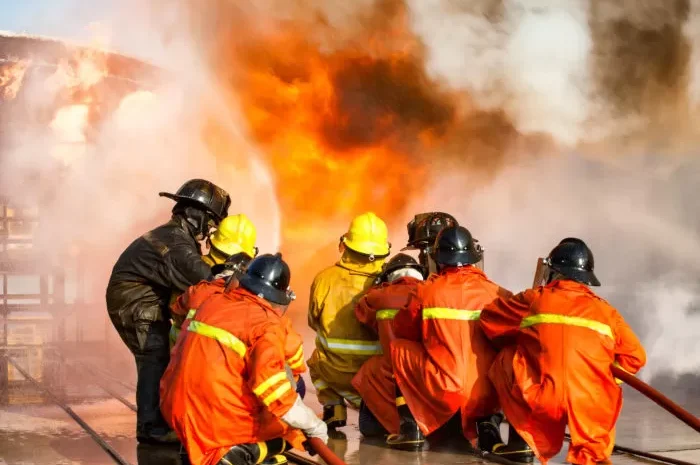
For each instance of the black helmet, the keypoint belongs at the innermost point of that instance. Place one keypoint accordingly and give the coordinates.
(573, 259)
(424, 228)
(207, 194)
(268, 277)
(455, 246)
(237, 263)
(398, 262)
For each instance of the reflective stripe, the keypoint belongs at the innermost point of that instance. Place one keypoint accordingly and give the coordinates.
(352, 398)
(296, 365)
(262, 445)
(386, 314)
(223, 337)
(400, 401)
(269, 382)
(191, 313)
(277, 393)
(438, 313)
(551, 318)
(349, 346)
(320, 384)
(297, 357)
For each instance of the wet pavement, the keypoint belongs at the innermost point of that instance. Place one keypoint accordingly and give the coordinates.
(45, 435)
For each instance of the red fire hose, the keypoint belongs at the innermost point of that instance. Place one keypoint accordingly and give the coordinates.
(663, 401)
(324, 452)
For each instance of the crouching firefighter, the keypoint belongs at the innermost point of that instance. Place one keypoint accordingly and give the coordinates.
(441, 357)
(376, 310)
(165, 260)
(232, 247)
(558, 341)
(343, 344)
(226, 391)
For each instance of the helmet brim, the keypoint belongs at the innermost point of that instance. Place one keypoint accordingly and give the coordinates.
(584, 277)
(178, 198)
(456, 258)
(264, 290)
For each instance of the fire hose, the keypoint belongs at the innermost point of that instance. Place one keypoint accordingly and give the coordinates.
(325, 452)
(660, 399)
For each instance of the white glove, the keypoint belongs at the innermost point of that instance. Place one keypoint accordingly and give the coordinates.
(300, 416)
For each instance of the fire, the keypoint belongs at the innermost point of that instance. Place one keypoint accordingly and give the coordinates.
(345, 130)
(11, 77)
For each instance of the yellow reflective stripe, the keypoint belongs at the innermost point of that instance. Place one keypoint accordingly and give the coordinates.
(439, 313)
(386, 314)
(320, 384)
(350, 346)
(277, 393)
(190, 314)
(269, 382)
(400, 401)
(223, 337)
(296, 365)
(551, 318)
(297, 357)
(262, 445)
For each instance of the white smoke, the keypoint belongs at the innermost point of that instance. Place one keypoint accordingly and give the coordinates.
(101, 195)
(534, 60)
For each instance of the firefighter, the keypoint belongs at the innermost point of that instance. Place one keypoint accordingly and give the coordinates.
(558, 342)
(232, 247)
(226, 390)
(162, 261)
(422, 232)
(376, 309)
(235, 235)
(441, 357)
(343, 344)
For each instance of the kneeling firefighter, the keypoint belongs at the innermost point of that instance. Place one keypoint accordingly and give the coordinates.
(232, 247)
(162, 261)
(441, 357)
(376, 310)
(569, 337)
(226, 391)
(343, 344)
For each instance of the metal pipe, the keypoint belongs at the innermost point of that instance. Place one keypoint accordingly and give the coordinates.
(640, 453)
(106, 447)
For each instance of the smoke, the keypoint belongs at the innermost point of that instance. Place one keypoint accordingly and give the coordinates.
(528, 120)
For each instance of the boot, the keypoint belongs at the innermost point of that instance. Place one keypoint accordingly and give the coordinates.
(517, 449)
(275, 460)
(335, 416)
(260, 452)
(410, 436)
(488, 430)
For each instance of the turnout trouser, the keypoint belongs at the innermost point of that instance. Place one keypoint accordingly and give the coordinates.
(151, 361)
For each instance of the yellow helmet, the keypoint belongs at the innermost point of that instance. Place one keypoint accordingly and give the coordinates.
(235, 234)
(368, 235)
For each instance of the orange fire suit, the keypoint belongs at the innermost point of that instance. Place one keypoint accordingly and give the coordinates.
(554, 371)
(343, 344)
(375, 380)
(226, 382)
(444, 368)
(195, 295)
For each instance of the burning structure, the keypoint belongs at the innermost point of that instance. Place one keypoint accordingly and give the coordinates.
(43, 295)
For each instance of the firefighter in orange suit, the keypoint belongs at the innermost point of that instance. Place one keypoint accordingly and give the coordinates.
(226, 391)
(343, 344)
(441, 357)
(559, 341)
(376, 310)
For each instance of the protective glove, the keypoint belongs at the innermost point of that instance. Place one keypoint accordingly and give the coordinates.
(300, 416)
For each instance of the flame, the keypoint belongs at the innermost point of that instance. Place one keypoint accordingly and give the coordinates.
(11, 77)
(345, 130)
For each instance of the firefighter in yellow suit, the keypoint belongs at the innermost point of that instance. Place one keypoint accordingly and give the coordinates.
(235, 235)
(343, 344)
